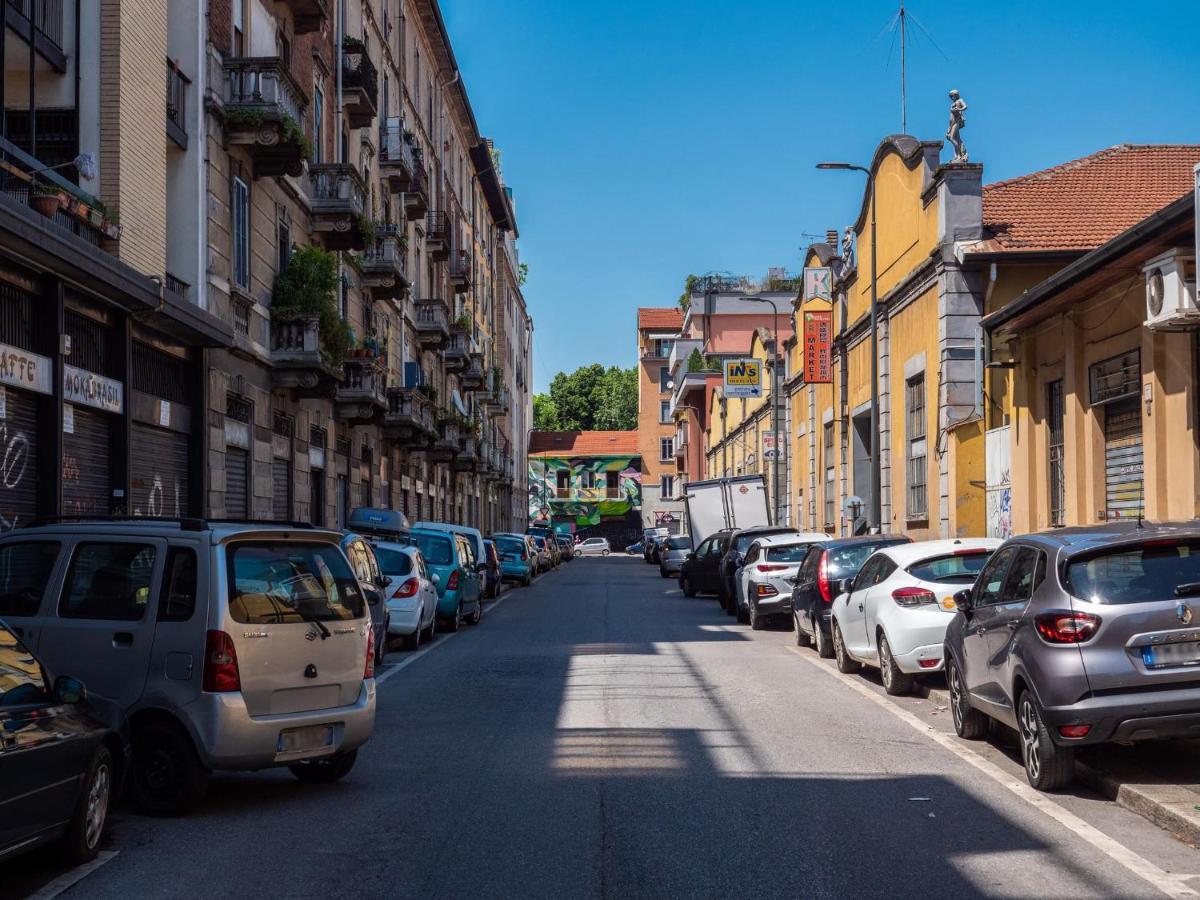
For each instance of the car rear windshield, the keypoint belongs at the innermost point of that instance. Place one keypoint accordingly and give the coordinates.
(745, 539)
(510, 545)
(291, 582)
(393, 562)
(436, 549)
(788, 553)
(957, 568)
(1137, 574)
(844, 562)
(679, 543)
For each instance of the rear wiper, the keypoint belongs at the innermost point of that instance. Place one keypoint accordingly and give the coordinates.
(1190, 589)
(325, 632)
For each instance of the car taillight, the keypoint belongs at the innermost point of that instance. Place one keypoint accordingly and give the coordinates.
(913, 596)
(766, 590)
(523, 556)
(823, 577)
(770, 567)
(408, 588)
(221, 674)
(1074, 731)
(452, 581)
(369, 668)
(1066, 627)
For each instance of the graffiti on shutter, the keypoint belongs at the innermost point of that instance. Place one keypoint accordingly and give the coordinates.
(85, 463)
(1124, 494)
(237, 478)
(18, 459)
(159, 472)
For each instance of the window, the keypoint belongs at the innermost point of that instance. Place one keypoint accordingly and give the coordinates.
(667, 486)
(283, 48)
(110, 582)
(666, 448)
(664, 411)
(1135, 574)
(915, 459)
(664, 379)
(435, 548)
(959, 568)
(613, 485)
(589, 480)
(291, 583)
(239, 28)
(241, 233)
(1022, 577)
(830, 479)
(25, 570)
(987, 586)
(563, 481)
(283, 234)
(318, 126)
(178, 599)
(21, 680)
(1054, 424)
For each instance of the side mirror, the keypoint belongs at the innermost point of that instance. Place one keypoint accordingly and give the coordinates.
(374, 597)
(691, 555)
(68, 690)
(436, 579)
(381, 581)
(962, 599)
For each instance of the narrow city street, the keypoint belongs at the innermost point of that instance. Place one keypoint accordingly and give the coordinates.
(601, 735)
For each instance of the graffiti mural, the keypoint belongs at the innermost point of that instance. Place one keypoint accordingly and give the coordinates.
(557, 487)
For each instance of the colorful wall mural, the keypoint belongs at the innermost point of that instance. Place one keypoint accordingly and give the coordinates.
(552, 496)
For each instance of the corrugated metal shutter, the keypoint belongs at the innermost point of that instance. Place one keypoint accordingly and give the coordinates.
(1123, 488)
(281, 494)
(237, 477)
(85, 466)
(316, 497)
(18, 459)
(159, 472)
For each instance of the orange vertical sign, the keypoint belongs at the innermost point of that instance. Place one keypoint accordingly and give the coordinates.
(818, 346)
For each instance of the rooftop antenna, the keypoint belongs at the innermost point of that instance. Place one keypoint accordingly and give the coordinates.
(900, 20)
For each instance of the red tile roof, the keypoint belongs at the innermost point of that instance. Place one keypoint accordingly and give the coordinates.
(584, 443)
(1084, 203)
(669, 318)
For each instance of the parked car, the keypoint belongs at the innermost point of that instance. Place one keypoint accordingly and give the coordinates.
(410, 594)
(554, 551)
(566, 544)
(518, 562)
(473, 535)
(63, 757)
(700, 572)
(493, 578)
(766, 579)
(1080, 636)
(635, 549)
(366, 569)
(671, 557)
(733, 558)
(458, 579)
(228, 646)
(385, 524)
(595, 546)
(826, 566)
(650, 538)
(543, 553)
(893, 614)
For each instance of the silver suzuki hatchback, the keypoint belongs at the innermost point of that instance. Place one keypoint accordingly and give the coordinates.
(230, 646)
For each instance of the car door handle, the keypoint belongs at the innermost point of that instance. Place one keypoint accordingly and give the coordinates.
(1013, 626)
(860, 607)
(122, 639)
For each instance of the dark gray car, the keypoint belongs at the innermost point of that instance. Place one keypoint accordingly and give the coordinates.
(1080, 636)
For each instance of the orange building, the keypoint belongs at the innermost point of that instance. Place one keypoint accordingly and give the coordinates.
(658, 329)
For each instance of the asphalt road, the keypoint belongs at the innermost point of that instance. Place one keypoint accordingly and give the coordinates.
(600, 735)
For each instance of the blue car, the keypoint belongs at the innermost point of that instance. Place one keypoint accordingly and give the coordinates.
(516, 562)
(456, 574)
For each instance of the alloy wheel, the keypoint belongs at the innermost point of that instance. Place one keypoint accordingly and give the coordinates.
(885, 664)
(97, 806)
(1031, 742)
(957, 699)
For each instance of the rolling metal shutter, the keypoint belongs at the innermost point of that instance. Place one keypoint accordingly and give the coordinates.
(281, 493)
(316, 497)
(18, 459)
(1124, 495)
(237, 477)
(85, 465)
(159, 476)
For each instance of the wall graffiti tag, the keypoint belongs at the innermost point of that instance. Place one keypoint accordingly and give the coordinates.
(14, 468)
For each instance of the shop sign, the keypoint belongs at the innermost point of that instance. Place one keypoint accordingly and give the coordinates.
(743, 378)
(89, 389)
(818, 284)
(23, 369)
(818, 346)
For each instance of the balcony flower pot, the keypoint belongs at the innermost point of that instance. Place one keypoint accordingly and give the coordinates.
(45, 202)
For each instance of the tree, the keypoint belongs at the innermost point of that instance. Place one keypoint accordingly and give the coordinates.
(545, 413)
(589, 399)
(616, 401)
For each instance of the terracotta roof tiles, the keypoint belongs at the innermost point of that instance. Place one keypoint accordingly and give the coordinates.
(669, 318)
(584, 443)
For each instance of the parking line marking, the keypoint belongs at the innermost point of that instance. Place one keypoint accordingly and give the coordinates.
(1168, 883)
(70, 879)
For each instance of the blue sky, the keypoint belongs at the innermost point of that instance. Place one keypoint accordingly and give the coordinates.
(646, 140)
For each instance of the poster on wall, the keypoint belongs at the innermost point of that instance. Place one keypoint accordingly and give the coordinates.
(743, 378)
(818, 346)
(770, 445)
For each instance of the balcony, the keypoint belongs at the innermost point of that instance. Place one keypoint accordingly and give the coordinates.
(681, 351)
(503, 401)
(416, 198)
(360, 84)
(362, 395)
(446, 441)
(177, 90)
(384, 263)
(298, 360)
(309, 15)
(40, 22)
(432, 327)
(474, 377)
(409, 416)
(467, 459)
(337, 196)
(396, 160)
(437, 236)
(455, 355)
(263, 109)
(460, 271)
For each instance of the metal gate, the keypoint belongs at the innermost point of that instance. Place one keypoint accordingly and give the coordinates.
(237, 478)
(1124, 494)
(159, 472)
(85, 463)
(281, 490)
(18, 458)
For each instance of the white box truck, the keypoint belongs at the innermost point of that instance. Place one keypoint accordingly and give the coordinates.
(720, 503)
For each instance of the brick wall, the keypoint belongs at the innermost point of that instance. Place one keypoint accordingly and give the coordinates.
(220, 24)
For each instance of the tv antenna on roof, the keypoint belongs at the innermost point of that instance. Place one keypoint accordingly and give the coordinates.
(899, 22)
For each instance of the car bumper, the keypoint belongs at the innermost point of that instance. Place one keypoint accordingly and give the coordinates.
(780, 604)
(230, 738)
(404, 620)
(671, 566)
(910, 662)
(448, 603)
(1130, 717)
(514, 571)
(917, 634)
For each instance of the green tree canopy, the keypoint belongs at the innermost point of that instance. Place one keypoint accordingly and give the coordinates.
(591, 398)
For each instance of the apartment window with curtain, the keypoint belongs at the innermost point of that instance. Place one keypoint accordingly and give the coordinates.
(318, 126)
(916, 457)
(830, 478)
(1054, 424)
(664, 411)
(241, 233)
(667, 448)
(664, 378)
(666, 486)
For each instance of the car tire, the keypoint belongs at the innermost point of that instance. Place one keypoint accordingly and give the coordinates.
(168, 777)
(454, 623)
(412, 641)
(822, 644)
(430, 630)
(743, 614)
(895, 682)
(82, 838)
(477, 616)
(1048, 766)
(969, 723)
(604, 552)
(663, 572)
(528, 580)
(802, 637)
(685, 585)
(757, 622)
(381, 647)
(846, 664)
(326, 770)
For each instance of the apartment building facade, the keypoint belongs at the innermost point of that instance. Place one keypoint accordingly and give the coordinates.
(657, 331)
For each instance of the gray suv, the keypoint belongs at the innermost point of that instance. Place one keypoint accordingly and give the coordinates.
(1080, 636)
(229, 646)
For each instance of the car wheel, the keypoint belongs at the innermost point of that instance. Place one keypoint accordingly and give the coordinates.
(168, 778)
(895, 682)
(325, 771)
(381, 647)
(453, 623)
(685, 585)
(822, 642)
(802, 636)
(1048, 766)
(743, 613)
(663, 572)
(757, 622)
(969, 723)
(604, 552)
(846, 664)
(430, 630)
(412, 641)
(82, 838)
(528, 580)
(478, 614)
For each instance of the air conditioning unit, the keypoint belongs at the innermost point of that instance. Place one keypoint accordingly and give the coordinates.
(1171, 292)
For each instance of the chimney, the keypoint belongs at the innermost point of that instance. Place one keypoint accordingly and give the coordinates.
(831, 237)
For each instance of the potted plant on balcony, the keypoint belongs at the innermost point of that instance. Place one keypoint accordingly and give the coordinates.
(308, 286)
(45, 198)
(462, 322)
(352, 44)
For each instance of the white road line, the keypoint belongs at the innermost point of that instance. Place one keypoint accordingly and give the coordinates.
(1168, 883)
(73, 877)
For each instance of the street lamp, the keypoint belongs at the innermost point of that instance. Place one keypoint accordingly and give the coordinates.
(876, 512)
(775, 364)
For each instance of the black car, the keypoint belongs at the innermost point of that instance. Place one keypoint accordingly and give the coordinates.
(731, 561)
(817, 583)
(700, 573)
(493, 576)
(62, 758)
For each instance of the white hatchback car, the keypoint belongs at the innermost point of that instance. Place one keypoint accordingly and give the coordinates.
(594, 547)
(893, 614)
(410, 594)
(768, 574)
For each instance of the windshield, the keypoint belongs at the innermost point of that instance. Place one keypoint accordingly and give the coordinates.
(510, 545)
(844, 562)
(960, 568)
(393, 562)
(679, 543)
(1138, 574)
(541, 543)
(434, 548)
(291, 582)
(789, 553)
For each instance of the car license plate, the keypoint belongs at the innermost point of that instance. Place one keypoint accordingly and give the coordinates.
(315, 737)
(1163, 656)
